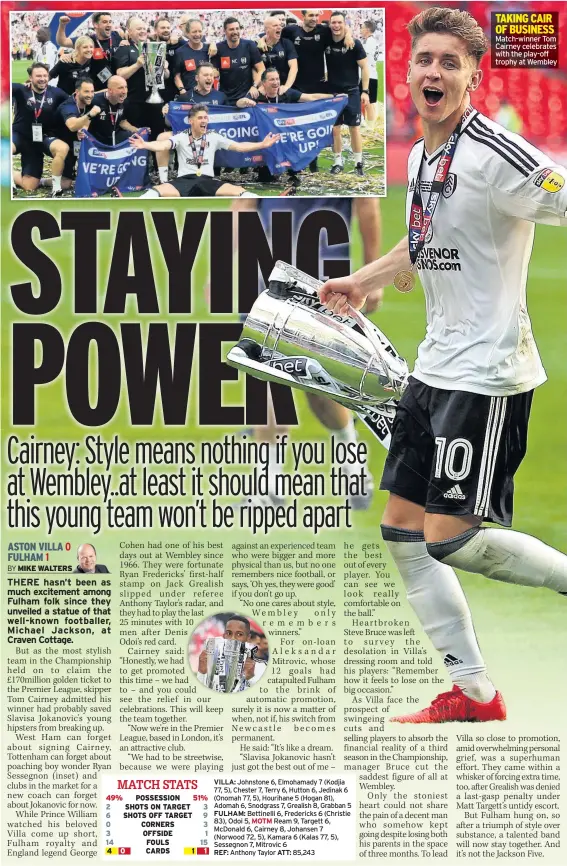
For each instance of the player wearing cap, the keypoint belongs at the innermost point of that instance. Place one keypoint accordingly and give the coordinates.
(475, 192)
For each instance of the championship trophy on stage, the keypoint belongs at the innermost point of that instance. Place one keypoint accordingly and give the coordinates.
(154, 68)
(290, 337)
(225, 663)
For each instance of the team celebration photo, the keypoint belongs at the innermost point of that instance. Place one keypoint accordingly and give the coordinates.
(192, 104)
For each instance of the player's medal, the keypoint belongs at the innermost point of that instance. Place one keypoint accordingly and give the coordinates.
(404, 281)
(199, 157)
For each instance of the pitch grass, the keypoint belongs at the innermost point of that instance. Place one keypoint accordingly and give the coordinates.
(319, 184)
(517, 627)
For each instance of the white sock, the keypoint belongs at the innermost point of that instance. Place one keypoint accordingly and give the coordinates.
(357, 157)
(150, 193)
(248, 195)
(338, 160)
(56, 182)
(163, 173)
(502, 554)
(476, 686)
(436, 596)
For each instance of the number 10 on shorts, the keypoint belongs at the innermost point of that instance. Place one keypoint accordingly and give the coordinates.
(454, 459)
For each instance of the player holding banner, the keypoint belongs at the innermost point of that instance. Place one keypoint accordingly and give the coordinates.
(475, 191)
(196, 149)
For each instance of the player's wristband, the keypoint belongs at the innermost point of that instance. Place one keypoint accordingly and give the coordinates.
(365, 91)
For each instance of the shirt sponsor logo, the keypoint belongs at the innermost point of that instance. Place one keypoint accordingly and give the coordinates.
(550, 180)
(225, 62)
(190, 65)
(439, 259)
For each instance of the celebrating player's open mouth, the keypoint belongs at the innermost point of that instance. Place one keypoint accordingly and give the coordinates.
(433, 95)
(202, 123)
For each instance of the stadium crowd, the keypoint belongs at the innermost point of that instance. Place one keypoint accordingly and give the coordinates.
(96, 78)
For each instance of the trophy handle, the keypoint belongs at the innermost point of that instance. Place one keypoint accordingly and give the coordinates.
(373, 336)
(366, 328)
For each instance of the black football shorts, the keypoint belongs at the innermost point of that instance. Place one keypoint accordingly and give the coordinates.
(456, 453)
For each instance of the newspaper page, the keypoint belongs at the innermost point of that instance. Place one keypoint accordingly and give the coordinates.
(211, 648)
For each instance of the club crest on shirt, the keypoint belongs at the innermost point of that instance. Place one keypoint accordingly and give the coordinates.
(550, 180)
(450, 185)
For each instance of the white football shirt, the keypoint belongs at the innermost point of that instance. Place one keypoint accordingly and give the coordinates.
(370, 45)
(188, 164)
(474, 265)
(46, 52)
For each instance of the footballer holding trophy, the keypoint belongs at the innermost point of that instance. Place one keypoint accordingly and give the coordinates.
(460, 431)
(228, 663)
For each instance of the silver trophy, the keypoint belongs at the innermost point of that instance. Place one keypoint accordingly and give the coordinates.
(225, 663)
(291, 338)
(154, 68)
